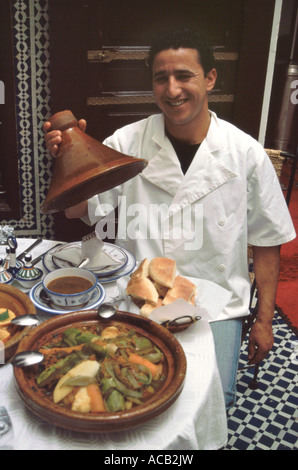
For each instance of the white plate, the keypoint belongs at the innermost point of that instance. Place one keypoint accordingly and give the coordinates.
(51, 262)
(96, 299)
(49, 265)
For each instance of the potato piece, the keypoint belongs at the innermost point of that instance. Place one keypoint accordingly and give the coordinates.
(82, 401)
(86, 368)
(110, 332)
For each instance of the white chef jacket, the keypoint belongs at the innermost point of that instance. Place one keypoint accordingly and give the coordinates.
(229, 197)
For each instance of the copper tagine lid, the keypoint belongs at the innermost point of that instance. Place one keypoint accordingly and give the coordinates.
(84, 167)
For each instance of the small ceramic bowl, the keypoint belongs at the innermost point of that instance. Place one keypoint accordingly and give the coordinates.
(28, 276)
(65, 300)
(6, 277)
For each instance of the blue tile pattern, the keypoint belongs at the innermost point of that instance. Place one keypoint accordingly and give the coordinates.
(30, 24)
(267, 418)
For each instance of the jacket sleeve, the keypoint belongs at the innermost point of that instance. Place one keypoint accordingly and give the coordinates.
(269, 220)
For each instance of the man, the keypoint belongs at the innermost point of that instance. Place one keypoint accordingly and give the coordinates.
(208, 191)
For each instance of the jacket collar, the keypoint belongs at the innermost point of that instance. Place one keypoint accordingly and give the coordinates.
(206, 172)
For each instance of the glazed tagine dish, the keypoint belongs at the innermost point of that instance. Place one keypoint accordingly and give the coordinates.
(101, 375)
(13, 303)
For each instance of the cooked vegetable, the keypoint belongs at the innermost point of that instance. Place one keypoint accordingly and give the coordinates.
(82, 401)
(58, 369)
(86, 368)
(6, 316)
(68, 350)
(115, 401)
(96, 398)
(94, 371)
(136, 359)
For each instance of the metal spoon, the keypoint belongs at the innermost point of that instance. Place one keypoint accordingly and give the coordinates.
(83, 262)
(27, 359)
(44, 297)
(26, 320)
(108, 309)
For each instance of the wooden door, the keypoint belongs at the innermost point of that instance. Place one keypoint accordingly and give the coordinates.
(98, 60)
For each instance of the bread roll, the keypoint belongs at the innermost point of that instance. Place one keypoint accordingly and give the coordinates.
(147, 308)
(141, 288)
(142, 270)
(162, 290)
(182, 289)
(163, 271)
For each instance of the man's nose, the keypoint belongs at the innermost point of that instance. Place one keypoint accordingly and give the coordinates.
(173, 88)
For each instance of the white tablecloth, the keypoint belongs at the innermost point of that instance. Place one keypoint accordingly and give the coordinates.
(196, 421)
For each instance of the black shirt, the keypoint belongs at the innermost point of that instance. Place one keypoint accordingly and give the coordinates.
(185, 152)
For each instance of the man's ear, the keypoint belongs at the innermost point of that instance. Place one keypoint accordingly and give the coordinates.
(211, 79)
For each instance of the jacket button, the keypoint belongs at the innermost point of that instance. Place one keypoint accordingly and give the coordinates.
(221, 222)
(221, 267)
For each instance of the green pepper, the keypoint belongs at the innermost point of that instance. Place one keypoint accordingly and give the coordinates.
(106, 384)
(56, 370)
(94, 348)
(154, 357)
(4, 315)
(70, 335)
(80, 381)
(119, 385)
(85, 337)
(115, 401)
(142, 343)
(142, 374)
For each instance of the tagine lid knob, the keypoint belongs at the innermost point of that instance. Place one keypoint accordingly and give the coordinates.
(28, 271)
(63, 120)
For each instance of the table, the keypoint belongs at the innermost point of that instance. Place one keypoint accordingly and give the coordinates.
(196, 420)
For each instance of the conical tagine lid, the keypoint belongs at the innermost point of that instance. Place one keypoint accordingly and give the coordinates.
(84, 167)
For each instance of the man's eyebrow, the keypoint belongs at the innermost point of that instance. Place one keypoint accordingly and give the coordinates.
(165, 72)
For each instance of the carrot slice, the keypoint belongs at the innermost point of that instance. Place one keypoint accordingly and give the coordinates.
(66, 350)
(96, 399)
(136, 359)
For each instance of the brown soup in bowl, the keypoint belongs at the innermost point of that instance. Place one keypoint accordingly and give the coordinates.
(69, 285)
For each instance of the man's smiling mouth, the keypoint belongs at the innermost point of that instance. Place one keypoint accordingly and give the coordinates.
(176, 104)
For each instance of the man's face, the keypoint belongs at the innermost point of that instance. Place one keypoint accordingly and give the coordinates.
(180, 86)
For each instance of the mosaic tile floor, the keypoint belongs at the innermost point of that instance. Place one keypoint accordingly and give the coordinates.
(267, 418)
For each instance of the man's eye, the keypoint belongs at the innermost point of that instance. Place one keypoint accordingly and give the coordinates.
(161, 79)
(184, 77)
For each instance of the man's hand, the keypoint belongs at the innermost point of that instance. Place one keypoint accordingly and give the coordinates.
(260, 341)
(53, 138)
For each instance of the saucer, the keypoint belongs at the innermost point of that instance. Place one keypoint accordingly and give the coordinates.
(127, 269)
(130, 265)
(34, 295)
(51, 262)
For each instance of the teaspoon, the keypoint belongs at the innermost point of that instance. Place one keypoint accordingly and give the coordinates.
(107, 310)
(26, 320)
(83, 262)
(27, 359)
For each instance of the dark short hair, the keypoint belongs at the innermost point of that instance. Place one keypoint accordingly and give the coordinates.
(185, 38)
